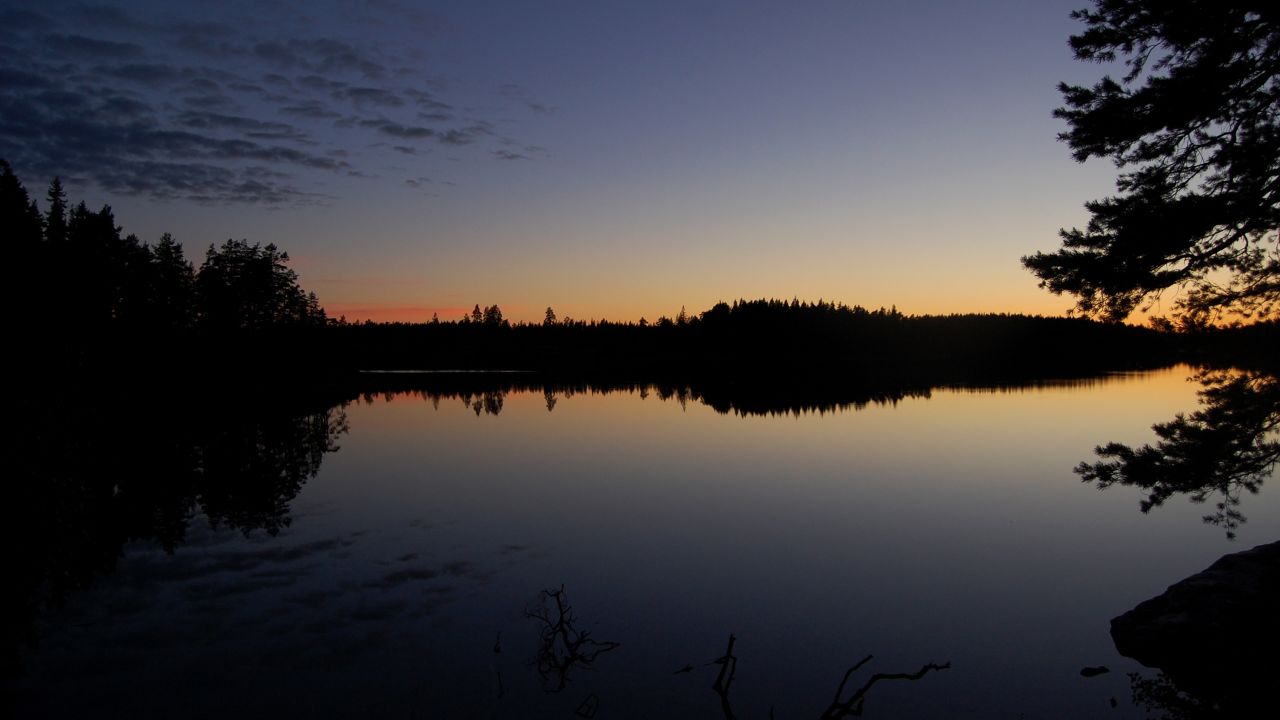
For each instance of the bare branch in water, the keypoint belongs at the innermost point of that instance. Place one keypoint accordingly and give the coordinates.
(562, 645)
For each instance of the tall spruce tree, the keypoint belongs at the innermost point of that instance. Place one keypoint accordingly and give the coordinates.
(172, 285)
(55, 218)
(19, 216)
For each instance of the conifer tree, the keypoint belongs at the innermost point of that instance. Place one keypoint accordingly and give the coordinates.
(55, 219)
(1194, 126)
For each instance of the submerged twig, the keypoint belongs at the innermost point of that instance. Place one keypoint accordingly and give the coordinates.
(728, 668)
(853, 706)
(562, 645)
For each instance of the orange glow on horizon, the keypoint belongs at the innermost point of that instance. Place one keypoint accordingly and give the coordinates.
(395, 313)
(409, 313)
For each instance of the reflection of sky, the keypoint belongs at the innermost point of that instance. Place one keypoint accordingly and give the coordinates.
(948, 528)
(607, 160)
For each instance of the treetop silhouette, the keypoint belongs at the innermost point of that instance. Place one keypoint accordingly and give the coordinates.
(243, 286)
(1192, 125)
(74, 269)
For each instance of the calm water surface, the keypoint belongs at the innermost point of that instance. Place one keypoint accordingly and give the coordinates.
(933, 529)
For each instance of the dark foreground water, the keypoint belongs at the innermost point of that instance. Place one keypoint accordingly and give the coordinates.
(403, 578)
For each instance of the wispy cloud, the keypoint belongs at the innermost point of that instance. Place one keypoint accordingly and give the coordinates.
(206, 108)
(518, 93)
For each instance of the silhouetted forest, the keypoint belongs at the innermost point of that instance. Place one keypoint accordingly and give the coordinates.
(86, 296)
(74, 271)
(82, 294)
(769, 337)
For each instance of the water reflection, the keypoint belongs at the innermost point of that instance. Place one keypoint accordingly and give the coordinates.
(1159, 695)
(95, 474)
(1226, 448)
(1208, 634)
(563, 646)
(485, 394)
(912, 530)
(843, 704)
(765, 399)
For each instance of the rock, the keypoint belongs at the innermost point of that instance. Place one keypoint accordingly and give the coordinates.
(1208, 632)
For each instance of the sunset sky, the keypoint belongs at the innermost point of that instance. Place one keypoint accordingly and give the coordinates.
(609, 159)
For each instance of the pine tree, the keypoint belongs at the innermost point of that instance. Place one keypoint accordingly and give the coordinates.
(55, 219)
(172, 285)
(1194, 125)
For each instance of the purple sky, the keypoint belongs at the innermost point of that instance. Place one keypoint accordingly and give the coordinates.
(609, 159)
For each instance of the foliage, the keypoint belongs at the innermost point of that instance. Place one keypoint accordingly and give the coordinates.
(22, 222)
(243, 286)
(73, 269)
(1192, 124)
(1231, 444)
(171, 293)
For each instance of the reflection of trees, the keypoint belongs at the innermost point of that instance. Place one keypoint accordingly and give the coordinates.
(1159, 694)
(488, 402)
(249, 472)
(94, 474)
(486, 394)
(1226, 447)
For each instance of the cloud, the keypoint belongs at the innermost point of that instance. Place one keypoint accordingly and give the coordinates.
(107, 16)
(142, 73)
(19, 80)
(466, 135)
(316, 82)
(24, 20)
(365, 96)
(310, 109)
(518, 93)
(426, 100)
(215, 107)
(125, 107)
(79, 46)
(394, 129)
(248, 126)
(62, 135)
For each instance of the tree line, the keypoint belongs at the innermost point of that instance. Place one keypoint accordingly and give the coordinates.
(87, 295)
(73, 271)
(789, 338)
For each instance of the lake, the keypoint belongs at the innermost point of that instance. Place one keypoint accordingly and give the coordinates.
(398, 570)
